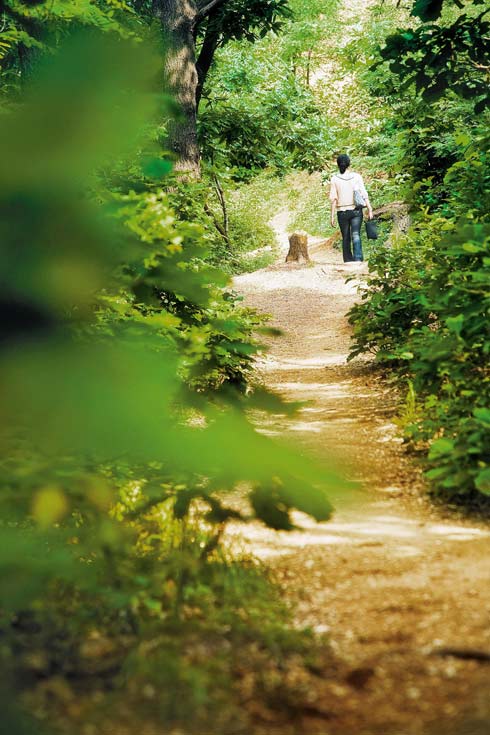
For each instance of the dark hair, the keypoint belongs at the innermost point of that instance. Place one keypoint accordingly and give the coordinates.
(343, 162)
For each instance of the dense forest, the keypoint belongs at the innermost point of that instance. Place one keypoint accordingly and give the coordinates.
(145, 148)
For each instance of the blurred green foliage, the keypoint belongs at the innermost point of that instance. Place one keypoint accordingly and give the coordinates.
(126, 373)
(32, 29)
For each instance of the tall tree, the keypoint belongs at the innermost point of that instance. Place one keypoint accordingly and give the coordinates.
(179, 19)
(193, 31)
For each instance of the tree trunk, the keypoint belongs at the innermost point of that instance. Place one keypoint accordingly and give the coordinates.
(298, 248)
(308, 67)
(205, 59)
(177, 19)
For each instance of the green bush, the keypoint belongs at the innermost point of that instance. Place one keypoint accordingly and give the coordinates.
(425, 313)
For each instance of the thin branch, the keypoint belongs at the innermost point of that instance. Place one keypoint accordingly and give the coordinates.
(206, 9)
(224, 209)
(217, 224)
(484, 67)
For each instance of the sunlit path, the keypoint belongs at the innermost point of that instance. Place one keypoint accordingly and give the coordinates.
(392, 583)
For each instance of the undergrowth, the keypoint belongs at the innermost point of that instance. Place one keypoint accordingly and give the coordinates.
(185, 649)
(424, 313)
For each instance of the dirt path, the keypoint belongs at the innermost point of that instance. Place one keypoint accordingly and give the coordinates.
(390, 581)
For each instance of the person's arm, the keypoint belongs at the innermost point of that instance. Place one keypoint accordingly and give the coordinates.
(369, 208)
(333, 202)
(366, 197)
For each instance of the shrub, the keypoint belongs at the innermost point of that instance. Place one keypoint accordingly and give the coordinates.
(425, 313)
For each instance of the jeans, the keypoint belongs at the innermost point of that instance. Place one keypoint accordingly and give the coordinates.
(350, 222)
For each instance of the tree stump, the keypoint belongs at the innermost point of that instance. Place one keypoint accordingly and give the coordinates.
(298, 248)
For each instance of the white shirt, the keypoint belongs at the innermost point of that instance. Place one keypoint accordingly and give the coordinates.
(342, 189)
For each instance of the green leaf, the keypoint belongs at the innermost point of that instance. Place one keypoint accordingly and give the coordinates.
(157, 168)
(436, 473)
(482, 415)
(440, 448)
(482, 481)
(455, 324)
(427, 9)
(271, 509)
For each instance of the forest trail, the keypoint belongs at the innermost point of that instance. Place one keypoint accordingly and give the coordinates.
(389, 580)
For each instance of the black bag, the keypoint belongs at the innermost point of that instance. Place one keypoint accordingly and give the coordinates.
(371, 229)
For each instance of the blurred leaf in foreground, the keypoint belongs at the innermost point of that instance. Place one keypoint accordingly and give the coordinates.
(123, 367)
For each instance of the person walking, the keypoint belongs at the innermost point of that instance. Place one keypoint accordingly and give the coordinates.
(348, 196)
